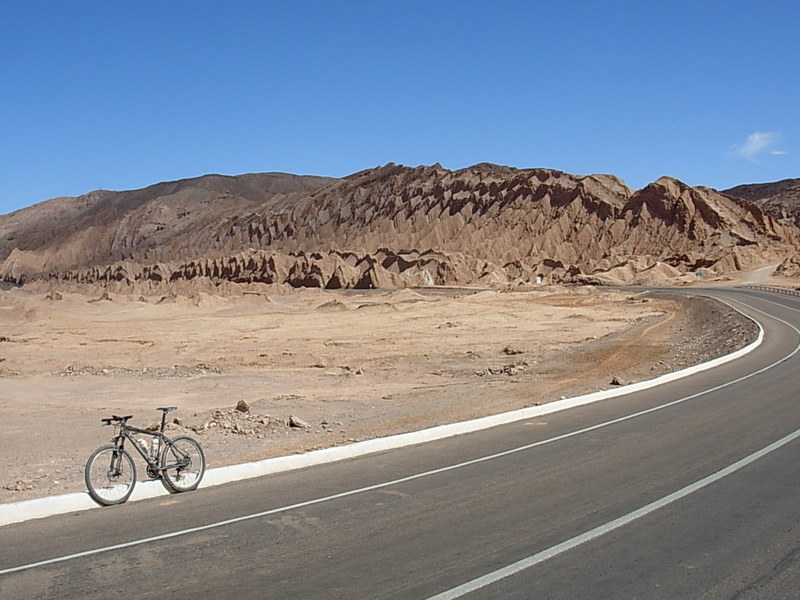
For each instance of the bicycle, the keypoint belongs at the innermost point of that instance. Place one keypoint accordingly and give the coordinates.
(110, 472)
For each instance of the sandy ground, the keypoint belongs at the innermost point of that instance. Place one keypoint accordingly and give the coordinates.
(344, 366)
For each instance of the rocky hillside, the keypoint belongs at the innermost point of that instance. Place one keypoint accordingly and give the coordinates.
(391, 226)
(167, 220)
(780, 200)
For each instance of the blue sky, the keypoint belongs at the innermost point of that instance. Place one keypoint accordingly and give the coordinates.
(121, 95)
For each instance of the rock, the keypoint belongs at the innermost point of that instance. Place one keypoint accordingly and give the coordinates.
(19, 486)
(298, 422)
(243, 406)
(508, 350)
(103, 297)
(615, 381)
(789, 267)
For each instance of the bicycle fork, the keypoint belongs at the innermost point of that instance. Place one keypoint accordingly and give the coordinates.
(115, 469)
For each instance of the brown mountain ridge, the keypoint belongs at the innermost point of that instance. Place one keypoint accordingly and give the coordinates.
(391, 226)
(780, 199)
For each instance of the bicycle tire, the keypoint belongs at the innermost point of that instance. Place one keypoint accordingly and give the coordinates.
(106, 483)
(183, 465)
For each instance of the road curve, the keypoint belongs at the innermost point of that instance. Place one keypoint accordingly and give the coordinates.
(687, 490)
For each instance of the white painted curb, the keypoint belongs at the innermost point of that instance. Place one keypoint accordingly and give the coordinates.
(77, 501)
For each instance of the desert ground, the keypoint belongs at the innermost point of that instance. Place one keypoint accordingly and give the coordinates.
(315, 368)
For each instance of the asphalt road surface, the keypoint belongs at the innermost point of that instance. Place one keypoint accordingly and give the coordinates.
(687, 490)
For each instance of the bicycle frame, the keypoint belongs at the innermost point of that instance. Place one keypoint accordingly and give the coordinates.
(151, 460)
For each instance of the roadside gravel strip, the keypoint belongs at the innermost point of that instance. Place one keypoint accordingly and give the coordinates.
(53, 505)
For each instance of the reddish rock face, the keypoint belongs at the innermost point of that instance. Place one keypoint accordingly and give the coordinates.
(391, 226)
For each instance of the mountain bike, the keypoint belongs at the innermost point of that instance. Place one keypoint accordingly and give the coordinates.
(111, 473)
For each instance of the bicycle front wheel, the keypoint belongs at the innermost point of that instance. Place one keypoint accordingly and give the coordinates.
(110, 475)
(182, 464)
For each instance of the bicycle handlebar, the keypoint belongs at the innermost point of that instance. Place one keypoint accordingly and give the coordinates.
(116, 419)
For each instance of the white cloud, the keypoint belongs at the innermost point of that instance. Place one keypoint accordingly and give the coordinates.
(756, 143)
(779, 153)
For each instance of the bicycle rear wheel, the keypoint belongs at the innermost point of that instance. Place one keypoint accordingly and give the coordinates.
(110, 475)
(183, 464)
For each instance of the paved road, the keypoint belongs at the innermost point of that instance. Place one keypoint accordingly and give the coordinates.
(687, 490)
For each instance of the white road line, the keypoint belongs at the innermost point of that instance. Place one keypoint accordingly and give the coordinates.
(592, 534)
(385, 484)
(785, 306)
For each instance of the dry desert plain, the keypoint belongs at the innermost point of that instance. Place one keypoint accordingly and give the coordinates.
(316, 368)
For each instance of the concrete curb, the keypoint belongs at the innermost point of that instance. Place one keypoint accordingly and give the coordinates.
(53, 505)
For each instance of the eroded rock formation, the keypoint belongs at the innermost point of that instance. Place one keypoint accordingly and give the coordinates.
(330, 270)
(392, 226)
